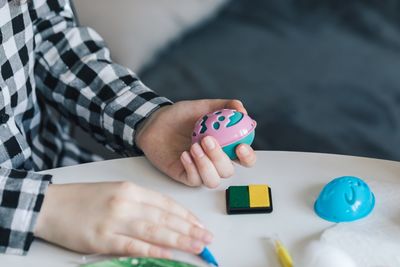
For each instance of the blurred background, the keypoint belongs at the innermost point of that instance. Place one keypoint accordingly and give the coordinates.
(320, 76)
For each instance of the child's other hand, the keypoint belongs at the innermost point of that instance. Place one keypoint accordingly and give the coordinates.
(118, 218)
(165, 139)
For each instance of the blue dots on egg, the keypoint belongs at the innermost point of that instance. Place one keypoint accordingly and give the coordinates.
(235, 119)
(203, 125)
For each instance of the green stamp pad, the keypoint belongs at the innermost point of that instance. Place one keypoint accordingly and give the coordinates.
(248, 199)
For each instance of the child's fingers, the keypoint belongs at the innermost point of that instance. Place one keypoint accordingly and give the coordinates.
(221, 161)
(214, 104)
(191, 176)
(160, 235)
(205, 167)
(165, 203)
(237, 105)
(246, 155)
(122, 245)
(164, 218)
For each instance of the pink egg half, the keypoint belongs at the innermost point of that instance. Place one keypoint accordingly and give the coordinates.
(226, 126)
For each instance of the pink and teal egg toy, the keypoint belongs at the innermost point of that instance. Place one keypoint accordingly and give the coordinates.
(229, 127)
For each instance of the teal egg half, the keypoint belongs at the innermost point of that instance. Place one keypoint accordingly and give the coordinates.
(230, 150)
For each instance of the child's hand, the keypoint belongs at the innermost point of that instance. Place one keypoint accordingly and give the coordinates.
(165, 139)
(118, 218)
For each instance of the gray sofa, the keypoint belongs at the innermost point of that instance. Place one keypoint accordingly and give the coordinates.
(319, 76)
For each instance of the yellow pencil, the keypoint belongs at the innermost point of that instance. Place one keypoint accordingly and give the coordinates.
(283, 254)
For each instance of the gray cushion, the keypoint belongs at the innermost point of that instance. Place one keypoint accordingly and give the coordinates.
(317, 75)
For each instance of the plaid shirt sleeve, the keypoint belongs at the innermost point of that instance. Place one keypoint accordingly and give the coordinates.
(21, 195)
(75, 74)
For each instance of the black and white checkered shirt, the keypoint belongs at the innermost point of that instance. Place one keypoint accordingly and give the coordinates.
(49, 63)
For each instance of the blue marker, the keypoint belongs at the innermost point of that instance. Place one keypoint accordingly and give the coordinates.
(208, 257)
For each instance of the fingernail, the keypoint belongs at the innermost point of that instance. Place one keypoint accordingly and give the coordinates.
(244, 150)
(197, 150)
(193, 219)
(197, 246)
(198, 224)
(186, 157)
(209, 142)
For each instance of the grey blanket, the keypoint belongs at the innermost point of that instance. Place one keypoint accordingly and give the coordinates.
(318, 76)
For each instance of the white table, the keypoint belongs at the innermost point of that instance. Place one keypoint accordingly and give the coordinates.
(295, 178)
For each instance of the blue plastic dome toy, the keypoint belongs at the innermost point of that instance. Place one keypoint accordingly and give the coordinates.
(345, 199)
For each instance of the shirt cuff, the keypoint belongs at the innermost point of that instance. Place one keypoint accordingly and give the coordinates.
(22, 198)
(122, 116)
